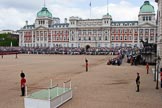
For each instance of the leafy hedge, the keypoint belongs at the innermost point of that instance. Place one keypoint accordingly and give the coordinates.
(6, 39)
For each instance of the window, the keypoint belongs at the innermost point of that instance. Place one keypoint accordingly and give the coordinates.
(130, 37)
(64, 37)
(79, 32)
(112, 45)
(112, 31)
(41, 38)
(54, 38)
(112, 38)
(152, 31)
(49, 38)
(41, 33)
(121, 30)
(84, 38)
(37, 33)
(143, 18)
(89, 38)
(141, 31)
(125, 37)
(72, 38)
(151, 38)
(105, 44)
(45, 38)
(99, 37)
(146, 31)
(135, 38)
(84, 32)
(89, 32)
(78, 45)
(125, 30)
(60, 37)
(98, 45)
(141, 38)
(45, 33)
(94, 38)
(105, 37)
(121, 37)
(79, 38)
(116, 37)
(116, 30)
(94, 32)
(135, 30)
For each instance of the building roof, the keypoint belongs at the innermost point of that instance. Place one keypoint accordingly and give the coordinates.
(124, 23)
(29, 26)
(107, 16)
(147, 8)
(58, 25)
(44, 13)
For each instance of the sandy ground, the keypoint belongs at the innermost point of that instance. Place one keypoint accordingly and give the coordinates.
(102, 86)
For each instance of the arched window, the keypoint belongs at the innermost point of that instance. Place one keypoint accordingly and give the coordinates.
(72, 38)
(105, 37)
(121, 37)
(89, 38)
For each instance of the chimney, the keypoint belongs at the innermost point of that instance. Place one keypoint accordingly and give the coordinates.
(65, 20)
(26, 22)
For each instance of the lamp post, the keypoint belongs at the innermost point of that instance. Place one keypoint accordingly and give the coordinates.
(155, 69)
(157, 74)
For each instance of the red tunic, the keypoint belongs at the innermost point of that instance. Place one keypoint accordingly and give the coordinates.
(147, 66)
(23, 81)
(161, 75)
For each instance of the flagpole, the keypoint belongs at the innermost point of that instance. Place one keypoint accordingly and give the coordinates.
(90, 8)
(44, 3)
(107, 6)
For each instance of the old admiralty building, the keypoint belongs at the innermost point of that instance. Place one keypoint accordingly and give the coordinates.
(47, 31)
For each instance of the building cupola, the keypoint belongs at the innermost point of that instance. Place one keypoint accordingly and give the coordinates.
(44, 13)
(147, 8)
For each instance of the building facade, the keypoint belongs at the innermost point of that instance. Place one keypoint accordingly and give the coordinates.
(159, 30)
(47, 31)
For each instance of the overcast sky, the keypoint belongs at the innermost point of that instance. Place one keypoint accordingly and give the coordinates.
(14, 13)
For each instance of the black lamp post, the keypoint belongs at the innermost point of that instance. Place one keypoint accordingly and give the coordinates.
(155, 68)
(157, 80)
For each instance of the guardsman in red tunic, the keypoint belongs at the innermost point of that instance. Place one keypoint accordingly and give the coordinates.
(138, 82)
(147, 68)
(23, 83)
(86, 65)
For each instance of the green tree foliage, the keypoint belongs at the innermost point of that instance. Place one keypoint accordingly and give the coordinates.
(6, 39)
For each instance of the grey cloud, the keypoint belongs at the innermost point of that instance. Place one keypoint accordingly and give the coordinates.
(22, 4)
